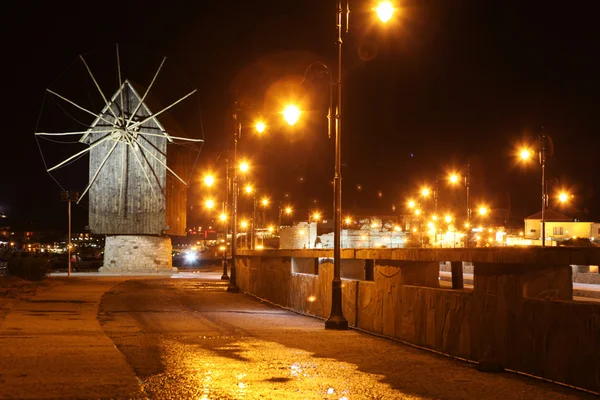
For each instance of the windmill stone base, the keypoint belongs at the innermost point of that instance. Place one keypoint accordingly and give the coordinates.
(137, 254)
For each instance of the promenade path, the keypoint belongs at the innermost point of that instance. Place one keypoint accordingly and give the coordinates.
(135, 337)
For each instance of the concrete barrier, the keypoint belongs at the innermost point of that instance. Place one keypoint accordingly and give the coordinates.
(520, 314)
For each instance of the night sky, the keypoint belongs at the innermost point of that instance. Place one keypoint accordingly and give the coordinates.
(445, 82)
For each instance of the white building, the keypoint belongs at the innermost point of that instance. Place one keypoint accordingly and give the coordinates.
(560, 227)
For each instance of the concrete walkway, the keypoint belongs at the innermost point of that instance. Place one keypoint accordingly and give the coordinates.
(53, 346)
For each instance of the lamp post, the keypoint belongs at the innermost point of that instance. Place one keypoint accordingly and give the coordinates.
(209, 181)
(525, 154)
(69, 197)
(454, 178)
(336, 319)
(233, 288)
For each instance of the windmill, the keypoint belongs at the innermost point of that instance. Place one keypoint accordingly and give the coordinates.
(138, 176)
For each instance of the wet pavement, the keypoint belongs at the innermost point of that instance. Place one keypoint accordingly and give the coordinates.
(189, 339)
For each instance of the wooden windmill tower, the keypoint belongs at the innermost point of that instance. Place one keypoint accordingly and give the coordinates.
(137, 194)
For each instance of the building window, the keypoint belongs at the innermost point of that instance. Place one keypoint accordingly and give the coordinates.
(557, 230)
(598, 231)
(532, 231)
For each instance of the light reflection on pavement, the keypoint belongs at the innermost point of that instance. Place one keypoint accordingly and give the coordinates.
(263, 370)
(190, 339)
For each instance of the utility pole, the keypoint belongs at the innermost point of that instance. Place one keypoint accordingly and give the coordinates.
(69, 197)
(543, 163)
(225, 207)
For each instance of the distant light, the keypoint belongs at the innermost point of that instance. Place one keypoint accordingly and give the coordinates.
(209, 180)
(209, 203)
(244, 167)
(288, 210)
(525, 154)
(223, 217)
(411, 204)
(425, 192)
(270, 229)
(563, 197)
(448, 219)
(417, 212)
(260, 126)
(397, 228)
(483, 210)
(264, 201)
(291, 114)
(248, 189)
(191, 256)
(244, 224)
(385, 11)
(222, 248)
(454, 178)
(259, 247)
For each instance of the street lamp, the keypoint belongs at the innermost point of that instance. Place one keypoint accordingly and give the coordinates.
(291, 114)
(314, 216)
(209, 203)
(209, 181)
(483, 211)
(243, 167)
(525, 154)
(260, 126)
(454, 178)
(385, 11)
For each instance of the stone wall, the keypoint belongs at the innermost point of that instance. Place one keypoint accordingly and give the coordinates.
(137, 254)
(520, 314)
(300, 236)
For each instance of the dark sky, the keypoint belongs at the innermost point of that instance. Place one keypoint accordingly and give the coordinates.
(445, 82)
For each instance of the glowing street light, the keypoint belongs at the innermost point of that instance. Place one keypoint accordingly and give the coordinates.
(411, 204)
(260, 126)
(244, 166)
(244, 224)
(264, 202)
(288, 210)
(348, 220)
(525, 154)
(448, 219)
(336, 319)
(209, 180)
(483, 211)
(454, 178)
(223, 217)
(210, 204)
(291, 114)
(564, 197)
(248, 189)
(425, 192)
(385, 10)
(316, 216)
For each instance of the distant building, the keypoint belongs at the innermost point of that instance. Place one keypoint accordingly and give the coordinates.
(560, 227)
